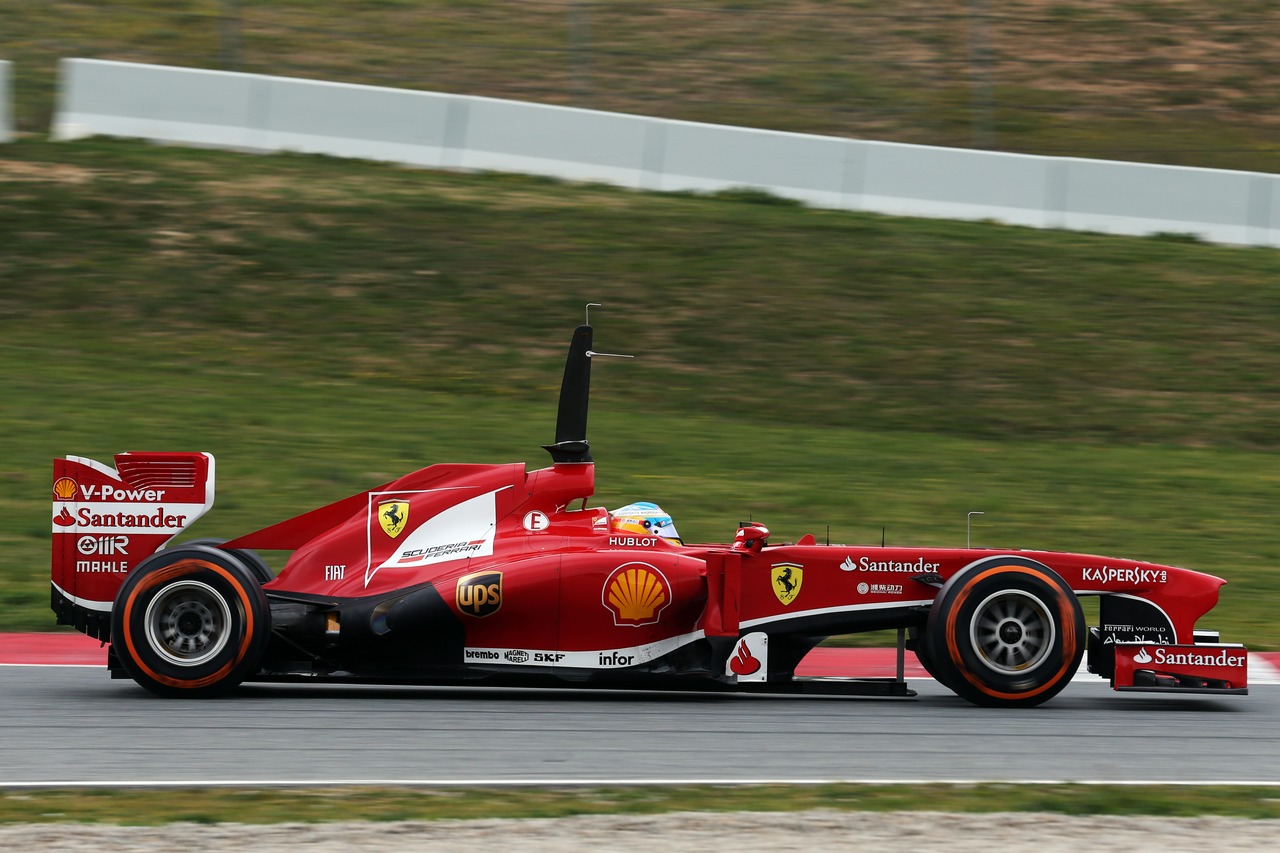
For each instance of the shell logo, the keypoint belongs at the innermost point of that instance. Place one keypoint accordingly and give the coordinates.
(636, 594)
(64, 488)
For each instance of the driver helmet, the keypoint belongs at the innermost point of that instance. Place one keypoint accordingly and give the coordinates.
(644, 518)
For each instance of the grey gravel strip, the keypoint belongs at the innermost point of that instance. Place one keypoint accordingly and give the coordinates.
(695, 832)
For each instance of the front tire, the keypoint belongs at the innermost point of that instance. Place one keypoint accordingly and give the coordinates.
(917, 644)
(1006, 632)
(191, 621)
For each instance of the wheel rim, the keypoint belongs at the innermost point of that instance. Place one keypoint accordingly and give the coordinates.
(1012, 632)
(188, 623)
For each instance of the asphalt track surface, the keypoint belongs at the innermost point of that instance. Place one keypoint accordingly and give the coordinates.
(74, 725)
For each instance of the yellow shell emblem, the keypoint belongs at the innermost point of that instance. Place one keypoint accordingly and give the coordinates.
(64, 488)
(636, 594)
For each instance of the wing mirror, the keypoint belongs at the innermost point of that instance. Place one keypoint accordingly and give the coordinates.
(750, 538)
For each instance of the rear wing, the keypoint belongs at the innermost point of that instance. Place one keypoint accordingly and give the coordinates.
(107, 520)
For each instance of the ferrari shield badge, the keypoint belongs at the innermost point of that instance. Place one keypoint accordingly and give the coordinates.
(787, 578)
(393, 516)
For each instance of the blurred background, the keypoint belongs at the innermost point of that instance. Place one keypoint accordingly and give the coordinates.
(1171, 81)
(323, 325)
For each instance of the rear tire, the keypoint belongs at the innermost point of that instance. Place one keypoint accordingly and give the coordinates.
(1006, 632)
(190, 621)
(251, 560)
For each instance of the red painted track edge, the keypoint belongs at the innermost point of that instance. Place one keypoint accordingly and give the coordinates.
(65, 649)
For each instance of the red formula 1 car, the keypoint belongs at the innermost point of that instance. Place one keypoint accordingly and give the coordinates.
(491, 574)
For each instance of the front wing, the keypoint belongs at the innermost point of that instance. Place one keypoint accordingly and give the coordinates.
(1200, 668)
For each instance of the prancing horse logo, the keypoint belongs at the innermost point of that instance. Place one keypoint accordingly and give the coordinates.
(393, 516)
(787, 578)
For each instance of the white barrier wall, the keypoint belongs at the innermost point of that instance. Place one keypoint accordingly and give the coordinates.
(6, 103)
(255, 112)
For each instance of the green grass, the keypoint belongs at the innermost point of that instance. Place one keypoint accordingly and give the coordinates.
(318, 805)
(323, 325)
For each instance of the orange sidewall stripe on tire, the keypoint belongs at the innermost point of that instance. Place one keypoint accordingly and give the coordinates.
(158, 577)
(1068, 635)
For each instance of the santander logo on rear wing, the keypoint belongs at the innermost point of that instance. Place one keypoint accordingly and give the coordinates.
(106, 520)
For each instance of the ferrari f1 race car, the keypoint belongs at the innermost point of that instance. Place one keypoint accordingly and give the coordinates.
(496, 575)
